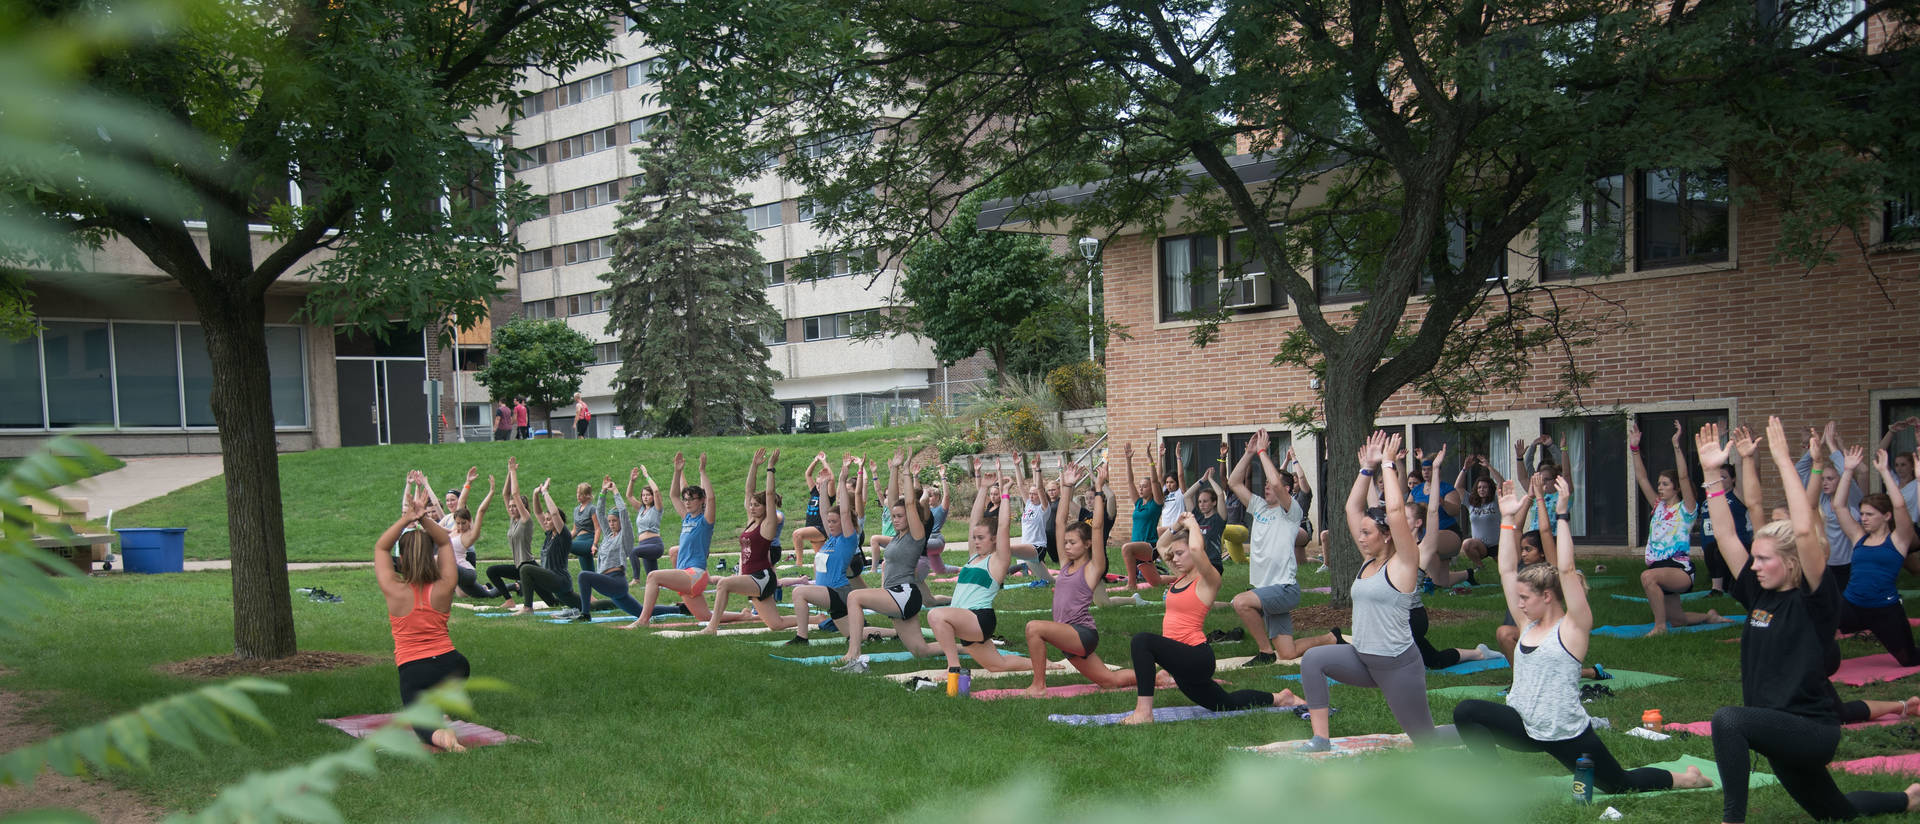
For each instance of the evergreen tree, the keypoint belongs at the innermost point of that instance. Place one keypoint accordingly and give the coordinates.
(689, 299)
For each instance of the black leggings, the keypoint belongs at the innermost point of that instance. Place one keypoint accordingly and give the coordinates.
(470, 584)
(554, 588)
(422, 674)
(1716, 565)
(1486, 726)
(500, 574)
(1433, 658)
(1799, 750)
(1192, 669)
(1888, 624)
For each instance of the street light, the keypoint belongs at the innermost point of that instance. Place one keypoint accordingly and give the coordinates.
(1089, 249)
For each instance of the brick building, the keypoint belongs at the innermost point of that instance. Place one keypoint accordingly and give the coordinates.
(1719, 332)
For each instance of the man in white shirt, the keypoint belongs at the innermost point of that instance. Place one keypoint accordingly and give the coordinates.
(1273, 559)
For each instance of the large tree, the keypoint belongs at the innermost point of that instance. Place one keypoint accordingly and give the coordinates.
(1362, 131)
(689, 297)
(542, 361)
(369, 107)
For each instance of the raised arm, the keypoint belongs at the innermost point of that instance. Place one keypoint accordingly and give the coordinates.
(1069, 475)
(1680, 468)
(1449, 502)
(1647, 491)
(678, 484)
(1572, 585)
(1713, 455)
(473, 533)
(1196, 550)
(1039, 481)
(1841, 512)
(1513, 515)
(770, 522)
(473, 473)
(833, 479)
(410, 512)
(1153, 474)
(1362, 484)
(1266, 462)
(1752, 492)
(1236, 479)
(713, 501)
(915, 527)
(513, 478)
(546, 492)
(1902, 519)
(753, 469)
(1406, 555)
(1809, 530)
(1003, 541)
(1493, 473)
(1299, 473)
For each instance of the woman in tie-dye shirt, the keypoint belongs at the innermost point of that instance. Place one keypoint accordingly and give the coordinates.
(1669, 570)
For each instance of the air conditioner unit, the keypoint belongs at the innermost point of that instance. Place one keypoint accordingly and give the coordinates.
(1246, 292)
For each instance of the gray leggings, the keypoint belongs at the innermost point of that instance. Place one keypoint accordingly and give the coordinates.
(1401, 679)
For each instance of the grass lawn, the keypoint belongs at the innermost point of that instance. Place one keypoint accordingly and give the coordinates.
(329, 494)
(628, 727)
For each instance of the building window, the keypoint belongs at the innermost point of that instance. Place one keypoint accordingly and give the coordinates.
(534, 103)
(1335, 278)
(1900, 220)
(585, 144)
(638, 127)
(146, 362)
(584, 89)
(1458, 238)
(475, 415)
(79, 383)
(20, 384)
(1680, 218)
(608, 352)
(589, 197)
(589, 302)
(774, 334)
(764, 216)
(287, 357)
(827, 327)
(840, 264)
(1189, 268)
(1244, 283)
(530, 158)
(585, 250)
(533, 260)
(829, 145)
(643, 72)
(470, 358)
(538, 309)
(776, 273)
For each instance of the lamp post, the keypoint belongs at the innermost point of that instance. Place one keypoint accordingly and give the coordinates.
(1089, 249)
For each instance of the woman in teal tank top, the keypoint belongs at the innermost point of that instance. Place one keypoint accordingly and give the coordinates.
(969, 621)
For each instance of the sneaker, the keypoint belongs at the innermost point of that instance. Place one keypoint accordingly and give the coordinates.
(1315, 744)
(873, 638)
(1323, 568)
(1600, 673)
(1139, 601)
(920, 682)
(582, 619)
(1216, 637)
(1470, 579)
(1262, 658)
(795, 641)
(857, 666)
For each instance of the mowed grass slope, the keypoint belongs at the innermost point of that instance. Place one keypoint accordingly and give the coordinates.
(331, 495)
(623, 726)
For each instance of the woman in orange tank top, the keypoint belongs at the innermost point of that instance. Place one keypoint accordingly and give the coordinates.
(417, 573)
(1182, 648)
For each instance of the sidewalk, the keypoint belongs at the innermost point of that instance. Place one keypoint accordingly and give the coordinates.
(142, 479)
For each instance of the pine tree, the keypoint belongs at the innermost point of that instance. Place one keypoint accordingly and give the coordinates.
(689, 299)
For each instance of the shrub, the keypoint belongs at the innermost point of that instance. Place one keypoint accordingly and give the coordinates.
(930, 474)
(1080, 385)
(1022, 424)
(957, 445)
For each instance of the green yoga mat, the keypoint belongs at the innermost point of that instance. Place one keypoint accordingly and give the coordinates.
(1621, 680)
(1909, 593)
(1605, 581)
(1564, 785)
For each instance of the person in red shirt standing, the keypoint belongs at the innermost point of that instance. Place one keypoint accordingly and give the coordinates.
(582, 416)
(520, 419)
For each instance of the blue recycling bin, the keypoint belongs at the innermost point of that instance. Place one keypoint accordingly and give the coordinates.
(150, 550)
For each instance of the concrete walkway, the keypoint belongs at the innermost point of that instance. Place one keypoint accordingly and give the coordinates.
(142, 479)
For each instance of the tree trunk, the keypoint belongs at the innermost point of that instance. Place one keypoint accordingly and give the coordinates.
(235, 326)
(1349, 422)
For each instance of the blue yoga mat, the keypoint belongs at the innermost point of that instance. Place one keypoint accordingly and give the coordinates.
(1689, 596)
(872, 658)
(602, 619)
(1165, 714)
(510, 615)
(1462, 668)
(1640, 630)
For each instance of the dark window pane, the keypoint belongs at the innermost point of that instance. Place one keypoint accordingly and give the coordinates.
(287, 359)
(147, 369)
(20, 384)
(196, 373)
(79, 390)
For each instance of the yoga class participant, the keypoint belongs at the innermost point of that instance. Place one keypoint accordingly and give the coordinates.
(1417, 621)
(820, 489)
(1882, 538)
(1274, 556)
(587, 527)
(1382, 653)
(1148, 500)
(836, 561)
(647, 545)
(901, 595)
(1789, 712)
(1443, 504)
(1032, 545)
(969, 621)
(689, 576)
(418, 585)
(1212, 527)
(936, 499)
(1815, 472)
(756, 580)
(519, 537)
(549, 578)
(1181, 647)
(1072, 629)
(1483, 509)
(1543, 712)
(616, 548)
(1669, 570)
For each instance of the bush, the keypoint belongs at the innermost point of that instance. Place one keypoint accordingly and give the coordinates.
(1080, 385)
(1023, 425)
(930, 474)
(957, 445)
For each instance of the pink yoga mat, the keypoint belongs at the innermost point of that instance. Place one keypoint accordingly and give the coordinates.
(471, 735)
(1871, 669)
(1062, 691)
(1706, 727)
(1908, 764)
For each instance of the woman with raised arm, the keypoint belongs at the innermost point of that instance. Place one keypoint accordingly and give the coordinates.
(415, 570)
(1442, 501)
(1212, 527)
(689, 575)
(1382, 653)
(464, 533)
(937, 500)
(820, 493)
(615, 550)
(1273, 577)
(1669, 569)
(1033, 518)
(968, 621)
(1483, 510)
(1543, 712)
(1181, 646)
(901, 595)
(587, 527)
(1882, 538)
(757, 579)
(1790, 712)
(549, 578)
(647, 545)
(1417, 620)
(1148, 499)
(519, 537)
(837, 560)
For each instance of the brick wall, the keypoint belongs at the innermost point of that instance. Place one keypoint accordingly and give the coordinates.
(1762, 339)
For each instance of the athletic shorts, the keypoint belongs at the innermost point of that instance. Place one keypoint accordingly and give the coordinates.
(1276, 606)
(837, 602)
(907, 598)
(988, 623)
(699, 585)
(1672, 563)
(767, 583)
(1089, 640)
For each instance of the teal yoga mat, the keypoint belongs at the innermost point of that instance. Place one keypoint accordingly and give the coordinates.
(1690, 596)
(1621, 680)
(1564, 784)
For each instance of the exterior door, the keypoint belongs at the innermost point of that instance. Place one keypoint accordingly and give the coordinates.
(1596, 468)
(359, 403)
(1656, 449)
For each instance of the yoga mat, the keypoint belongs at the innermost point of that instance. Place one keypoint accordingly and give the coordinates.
(1561, 785)
(836, 641)
(1871, 669)
(1904, 764)
(1140, 587)
(541, 612)
(470, 734)
(598, 619)
(1343, 747)
(1062, 691)
(694, 633)
(1687, 596)
(1705, 728)
(1320, 590)
(872, 658)
(1605, 581)
(1498, 661)
(1162, 715)
(1621, 680)
(1841, 636)
(1641, 630)
(941, 674)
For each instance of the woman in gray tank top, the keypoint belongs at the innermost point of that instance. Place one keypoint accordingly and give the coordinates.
(1382, 653)
(1543, 712)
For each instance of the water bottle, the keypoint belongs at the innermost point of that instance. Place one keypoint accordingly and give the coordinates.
(966, 683)
(1583, 780)
(953, 681)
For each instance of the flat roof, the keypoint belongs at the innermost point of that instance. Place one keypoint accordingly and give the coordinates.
(1011, 211)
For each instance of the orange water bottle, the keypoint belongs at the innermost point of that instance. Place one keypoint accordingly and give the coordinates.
(1651, 720)
(953, 681)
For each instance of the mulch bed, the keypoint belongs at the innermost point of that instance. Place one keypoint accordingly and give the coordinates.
(227, 666)
(1321, 616)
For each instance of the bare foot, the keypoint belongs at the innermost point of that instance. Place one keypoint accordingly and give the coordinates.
(1035, 691)
(1910, 707)
(712, 629)
(635, 625)
(1657, 630)
(1692, 779)
(448, 740)
(1286, 698)
(522, 610)
(1164, 681)
(1137, 718)
(508, 604)
(1714, 617)
(1913, 797)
